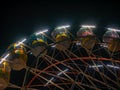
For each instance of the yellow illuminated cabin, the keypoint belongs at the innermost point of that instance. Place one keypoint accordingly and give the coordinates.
(111, 38)
(18, 57)
(86, 37)
(4, 75)
(62, 38)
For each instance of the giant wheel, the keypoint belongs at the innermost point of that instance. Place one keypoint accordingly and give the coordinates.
(64, 60)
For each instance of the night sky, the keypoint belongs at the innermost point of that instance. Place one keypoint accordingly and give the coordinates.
(21, 19)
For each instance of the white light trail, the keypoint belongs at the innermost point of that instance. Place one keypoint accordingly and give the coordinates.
(104, 45)
(94, 66)
(41, 32)
(58, 75)
(49, 81)
(4, 58)
(112, 29)
(20, 42)
(53, 46)
(116, 67)
(62, 72)
(78, 43)
(65, 26)
(88, 26)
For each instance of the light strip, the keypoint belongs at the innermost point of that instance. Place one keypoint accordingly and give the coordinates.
(112, 29)
(53, 46)
(88, 26)
(104, 45)
(94, 66)
(21, 42)
(62, 72)
(65, 26)
(58, 75)
(4, 58)
(113, 66)
(49, 81)
(41, 32)
(78, 43)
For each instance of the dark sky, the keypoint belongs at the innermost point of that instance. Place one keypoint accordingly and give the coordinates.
(20, 19)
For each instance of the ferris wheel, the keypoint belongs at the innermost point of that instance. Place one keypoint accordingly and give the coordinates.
(64, 60)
